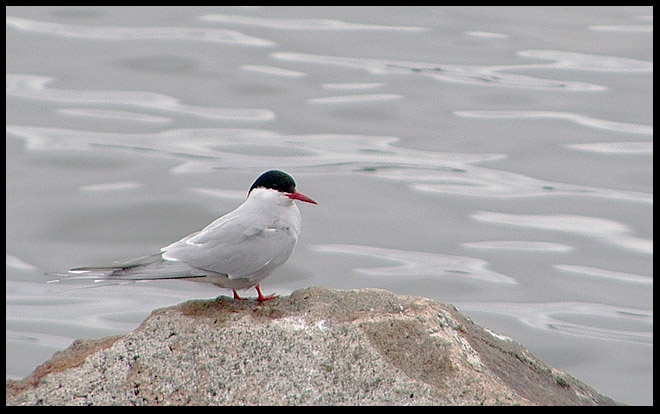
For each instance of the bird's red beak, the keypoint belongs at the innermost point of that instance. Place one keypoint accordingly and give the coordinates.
(300, 196)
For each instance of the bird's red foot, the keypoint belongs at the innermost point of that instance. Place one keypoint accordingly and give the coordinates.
(261, 297)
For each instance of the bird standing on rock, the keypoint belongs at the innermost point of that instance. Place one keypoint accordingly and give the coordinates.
(236, 251)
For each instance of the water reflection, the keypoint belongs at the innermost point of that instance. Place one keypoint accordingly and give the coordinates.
(618, 148)
(53, 316)
(567, 116)
(487, 35)
(576, 318)
(130, 33)
(596, 273)
(353, 85)
(304, 24)
(519, 246)
(488, 75)
(15, 263)
(273, 71)
(37, 88)
(416, 264)
(123, 116)
(348, 99)
(608, 231)
(122, 186)
(208, 149)
(623, 28)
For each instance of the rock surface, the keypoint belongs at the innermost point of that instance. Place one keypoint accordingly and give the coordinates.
(316, 346)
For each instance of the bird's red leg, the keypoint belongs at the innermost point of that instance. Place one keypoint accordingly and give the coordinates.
(236, 297)
(261, 297)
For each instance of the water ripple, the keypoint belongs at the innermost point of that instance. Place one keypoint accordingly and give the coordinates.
(597, 273)
(566, 116)
(15, 263)
(644, 148)
(114, 115)
(476, 181)
(201, 150)
(353, 85)
(608, 231)
(519, 246)
(362, 152)
(304, 24)
(37, 87)
(136, 33)
(121, 186)
(587, 62)
(273, 71)
(487, 35)
(485, 75)
(622, 28)
(219, 194)
(414, 264)
(35, 310)
(347, 99)
(53, 341)
(576, 318)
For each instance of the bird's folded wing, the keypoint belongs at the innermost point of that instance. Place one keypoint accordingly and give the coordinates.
(244, 253)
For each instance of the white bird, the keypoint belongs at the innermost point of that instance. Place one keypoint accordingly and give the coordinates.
(236, 251)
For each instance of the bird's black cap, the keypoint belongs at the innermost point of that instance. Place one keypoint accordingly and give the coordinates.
(276, 180)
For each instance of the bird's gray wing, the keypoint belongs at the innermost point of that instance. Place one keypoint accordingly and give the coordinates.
(234, 246)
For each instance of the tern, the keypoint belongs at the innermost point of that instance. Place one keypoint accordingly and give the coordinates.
(236, 251)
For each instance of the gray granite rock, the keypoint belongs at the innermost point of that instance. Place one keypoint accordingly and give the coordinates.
(316, 346)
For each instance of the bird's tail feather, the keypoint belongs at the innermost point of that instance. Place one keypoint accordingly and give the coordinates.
(152, 267)
(120, 265)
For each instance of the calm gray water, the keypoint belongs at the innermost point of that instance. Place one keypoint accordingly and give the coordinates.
(499, 159)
